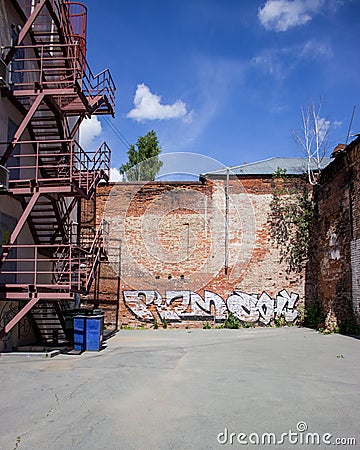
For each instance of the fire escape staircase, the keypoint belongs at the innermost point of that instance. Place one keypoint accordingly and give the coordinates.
(48, 323)
(50, 81)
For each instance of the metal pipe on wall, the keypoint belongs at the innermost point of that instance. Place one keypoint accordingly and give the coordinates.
(227, 221)
(118, 288)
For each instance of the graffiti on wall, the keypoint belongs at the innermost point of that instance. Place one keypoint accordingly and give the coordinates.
(178, 306)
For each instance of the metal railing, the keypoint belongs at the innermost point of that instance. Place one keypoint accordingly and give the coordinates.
(65, 267)
(75, 18)
(59, 67)
(59, 162)
(72, 17)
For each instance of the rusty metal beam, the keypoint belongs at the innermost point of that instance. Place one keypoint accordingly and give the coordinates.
(42, 189)
(76, 127)
(33, 92)
(65, 296)
(21, 129)
(60, 220)
(8, 327)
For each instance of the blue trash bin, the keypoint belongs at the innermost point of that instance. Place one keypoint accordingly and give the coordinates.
(69, 321)
(94, 332)
(80, 333)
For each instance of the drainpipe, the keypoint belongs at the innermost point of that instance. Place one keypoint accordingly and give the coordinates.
(118, 289)
(227, 221)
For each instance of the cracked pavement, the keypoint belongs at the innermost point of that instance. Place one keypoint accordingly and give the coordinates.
(178, 389)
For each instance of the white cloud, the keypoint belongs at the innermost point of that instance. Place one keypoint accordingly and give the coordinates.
(279, 62)
(148, 107)
(89, 130)
(280, 15)
(115, 175)
(314, 48)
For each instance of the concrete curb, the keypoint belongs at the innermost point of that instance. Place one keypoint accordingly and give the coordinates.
(50, 354)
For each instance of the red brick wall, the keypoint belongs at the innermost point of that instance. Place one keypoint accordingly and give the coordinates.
(172, 238)
(335, 252)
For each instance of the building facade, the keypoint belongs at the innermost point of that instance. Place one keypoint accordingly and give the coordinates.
(334, 263)
(188, 253)
(48, 257)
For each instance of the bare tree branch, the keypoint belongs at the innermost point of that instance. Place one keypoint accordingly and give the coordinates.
(313, 139)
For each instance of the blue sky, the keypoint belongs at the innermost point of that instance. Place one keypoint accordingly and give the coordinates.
(225, 78)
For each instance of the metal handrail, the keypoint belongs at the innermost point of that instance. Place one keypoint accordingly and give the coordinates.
(69, 267)
(71, 164)
(58, 66)
(72, 17)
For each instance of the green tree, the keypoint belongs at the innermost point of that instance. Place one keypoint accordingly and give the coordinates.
(143, 159)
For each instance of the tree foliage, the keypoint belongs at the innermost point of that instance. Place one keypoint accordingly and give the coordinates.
(143, 159)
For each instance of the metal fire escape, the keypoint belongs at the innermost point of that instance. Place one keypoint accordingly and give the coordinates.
(51, 84)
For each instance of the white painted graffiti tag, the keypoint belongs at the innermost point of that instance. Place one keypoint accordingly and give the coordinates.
(178, 306)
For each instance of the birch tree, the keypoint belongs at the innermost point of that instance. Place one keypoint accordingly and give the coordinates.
(313, 139)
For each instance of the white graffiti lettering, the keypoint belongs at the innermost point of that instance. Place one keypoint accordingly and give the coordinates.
(178, 306)
(243, 306)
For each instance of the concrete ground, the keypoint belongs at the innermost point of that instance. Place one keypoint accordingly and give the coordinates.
(182, 389)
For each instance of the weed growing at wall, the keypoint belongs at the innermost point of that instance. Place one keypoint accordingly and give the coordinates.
(290, 219)
(232, 321)
(280, 321)
(313, 316)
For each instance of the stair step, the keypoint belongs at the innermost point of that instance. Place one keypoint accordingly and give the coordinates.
(42, 211)
(50, 151)
(48, 229)
(48, 323)
(37, 118)
(39, 204)
(44, 127)
(44, 234)
(47, 209)
(45, 227)
(42, 216)
(45, 33)
(49, 133)
(39, 224)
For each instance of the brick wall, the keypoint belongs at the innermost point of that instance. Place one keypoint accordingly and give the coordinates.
(334, 274)
(168, 242)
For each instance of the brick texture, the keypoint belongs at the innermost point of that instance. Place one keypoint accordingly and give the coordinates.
(335, 257)
(171, 236)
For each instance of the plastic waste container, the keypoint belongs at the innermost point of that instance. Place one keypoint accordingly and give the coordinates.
(94, 332)
(69, 321)
(80, 332)
(88, 332)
